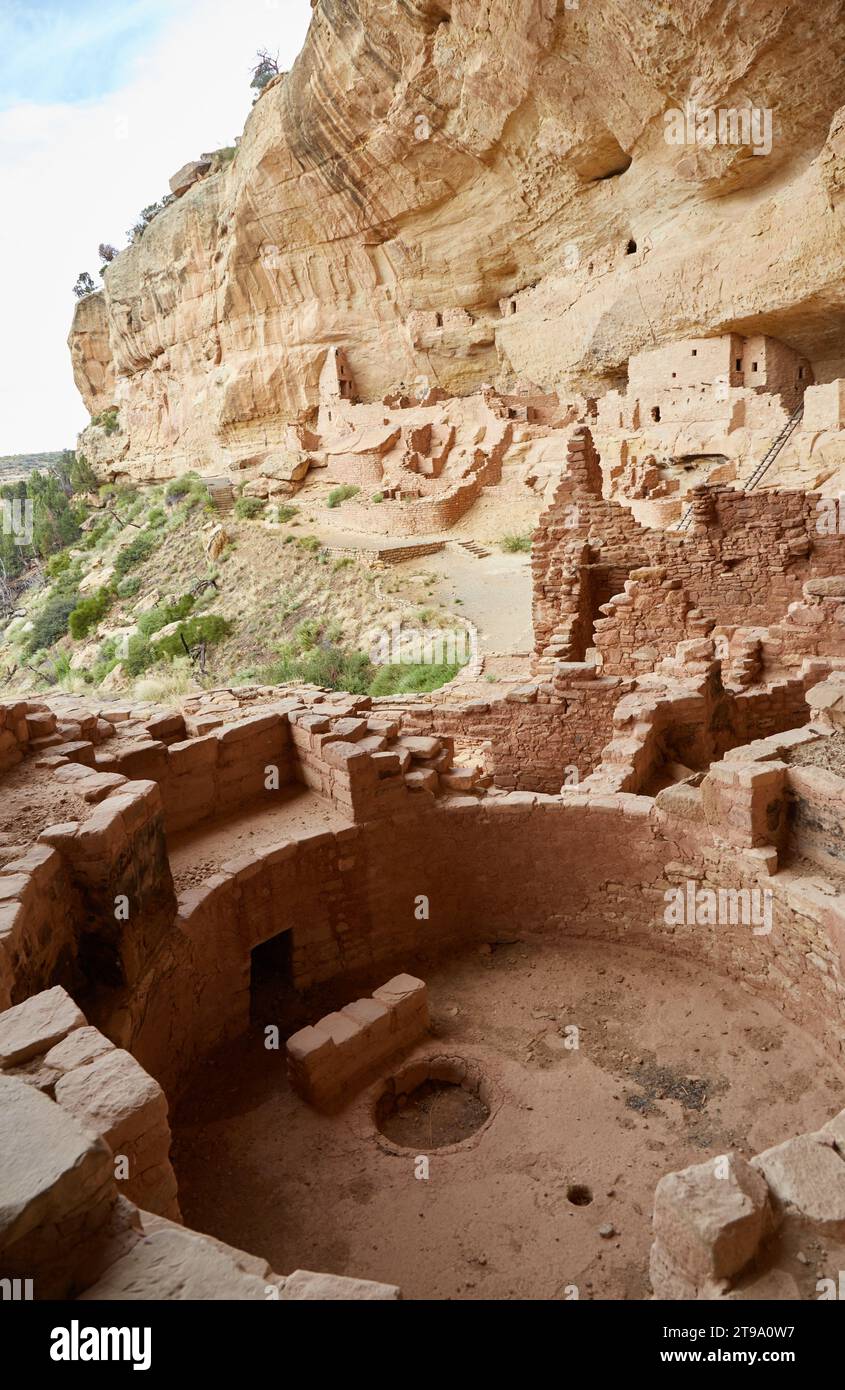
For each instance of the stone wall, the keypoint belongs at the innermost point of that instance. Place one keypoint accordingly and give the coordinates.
(744, 559)
(580, 864)
(528, 740)
(816, 816)
(46, 1042)
(327, 1062)
(212, 774)
(25, 726)
(75, 1113)
(39, 910)
(693, 719)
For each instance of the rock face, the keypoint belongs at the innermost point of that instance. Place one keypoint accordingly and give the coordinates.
(482, 190)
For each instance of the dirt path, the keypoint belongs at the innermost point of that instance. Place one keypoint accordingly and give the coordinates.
(494, 593)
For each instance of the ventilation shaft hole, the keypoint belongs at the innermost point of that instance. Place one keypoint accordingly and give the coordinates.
(578, 1195)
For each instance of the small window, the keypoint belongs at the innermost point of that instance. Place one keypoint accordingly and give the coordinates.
(739, 364)
(631, 247)
(753, 366)
(674, 374)
(513, 306)
(655, 412)
(800, 373)
(439, 319)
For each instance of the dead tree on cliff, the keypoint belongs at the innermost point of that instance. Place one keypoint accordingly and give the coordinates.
(265, 69)
(196, 655)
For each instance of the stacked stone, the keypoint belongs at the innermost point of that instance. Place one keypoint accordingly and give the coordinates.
(745, 803)
(46, 1042)
(66, 1230)
(327, 1062)
(25, 727)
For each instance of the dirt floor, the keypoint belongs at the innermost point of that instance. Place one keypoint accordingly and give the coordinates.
(286, 814)
(31, 800)
(555, 1190)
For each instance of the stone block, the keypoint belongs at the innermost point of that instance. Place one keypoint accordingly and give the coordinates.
(711, 1225)
(36, 1025)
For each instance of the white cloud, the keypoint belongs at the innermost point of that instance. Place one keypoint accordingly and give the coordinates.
(75, 175)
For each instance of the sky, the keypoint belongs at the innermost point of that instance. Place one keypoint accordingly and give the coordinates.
(100, 102)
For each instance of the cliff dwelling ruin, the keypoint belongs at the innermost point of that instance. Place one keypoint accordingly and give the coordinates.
(530, 985)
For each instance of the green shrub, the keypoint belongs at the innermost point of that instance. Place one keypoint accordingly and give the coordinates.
(58, 564)
(135, 553)
(400, 679)
(512, 544)
(248, 508)
(89, 612)
(107, 420)
(128, 587)
(165, 613)
(342, 494)
(82, 476)
(189, 489)
(378, 497)
(139, 655)
(307, 634)
(308, 543)
(342, 564)
(97, 534)
(285, 514)
(156, 518)
(337, 668)
(210, 628)
(51, 623)
(61, 667)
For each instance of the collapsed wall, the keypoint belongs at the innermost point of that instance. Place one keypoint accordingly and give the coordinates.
(601, 579)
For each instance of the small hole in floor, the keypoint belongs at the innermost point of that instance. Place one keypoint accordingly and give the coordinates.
(579, 1195)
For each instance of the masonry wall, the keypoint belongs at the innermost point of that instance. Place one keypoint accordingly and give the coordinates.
(579, 865)
(39, 909)
(817, 816)
(328, 1061)
(213, 774)
(744, 559)
(526, 742)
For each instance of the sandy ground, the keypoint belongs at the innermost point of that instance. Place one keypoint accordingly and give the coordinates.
(31, 800)
(286, 814)
(494, 593)
(673, 1065)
